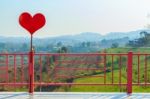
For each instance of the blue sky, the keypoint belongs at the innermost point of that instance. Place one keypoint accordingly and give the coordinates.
(75, 16)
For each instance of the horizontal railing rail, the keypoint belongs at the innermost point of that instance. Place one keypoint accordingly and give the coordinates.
(60, 69)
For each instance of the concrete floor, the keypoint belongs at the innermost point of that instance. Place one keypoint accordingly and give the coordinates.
(70, 95)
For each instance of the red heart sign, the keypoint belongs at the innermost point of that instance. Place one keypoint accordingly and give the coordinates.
(30, 23)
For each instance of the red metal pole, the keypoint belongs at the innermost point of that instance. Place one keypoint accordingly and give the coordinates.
(48, 67)
(120, 71)
(15, 71)
(129, 73)
(112, 69)
(145, 70)
(120, 67)
(31, 69)
(105, 68)
(138, 69)
(7, 68)
(31, 72)
(40, 63)
(22, 68)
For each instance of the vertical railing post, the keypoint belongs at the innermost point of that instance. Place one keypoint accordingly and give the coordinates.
(129, 73)
(105, 60)
(31, 71)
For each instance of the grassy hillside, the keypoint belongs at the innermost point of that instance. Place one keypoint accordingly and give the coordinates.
(104, 88)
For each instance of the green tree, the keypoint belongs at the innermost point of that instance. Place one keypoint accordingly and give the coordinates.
(114, 45)
(63, 49)
(59, 44)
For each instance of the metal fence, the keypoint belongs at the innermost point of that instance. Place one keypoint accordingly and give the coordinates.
(60, 69)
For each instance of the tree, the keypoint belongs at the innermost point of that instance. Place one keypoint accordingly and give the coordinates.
(63, 50)
(24, 47)
(83, 44)
(88, 44)
(114, 45)
(143, 41)
(59, 44)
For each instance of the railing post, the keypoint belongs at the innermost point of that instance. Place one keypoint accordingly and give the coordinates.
(129, 73)
(31, 71)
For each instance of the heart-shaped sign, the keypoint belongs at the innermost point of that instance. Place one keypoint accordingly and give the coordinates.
(30, 23)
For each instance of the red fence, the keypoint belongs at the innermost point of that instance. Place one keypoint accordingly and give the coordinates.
(60, 69)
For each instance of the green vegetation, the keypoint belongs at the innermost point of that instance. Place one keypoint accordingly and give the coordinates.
(81, 76)
(143, 41)
(50, 69)
(116, 88)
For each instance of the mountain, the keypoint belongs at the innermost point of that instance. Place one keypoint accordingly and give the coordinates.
(83, 42)
(94, 37)
(14, 39)
(82, 37)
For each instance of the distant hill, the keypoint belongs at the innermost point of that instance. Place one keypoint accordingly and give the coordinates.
(131, 34)
(83, 42)
(82, 37)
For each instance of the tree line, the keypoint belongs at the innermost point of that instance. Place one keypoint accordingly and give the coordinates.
(143, 41)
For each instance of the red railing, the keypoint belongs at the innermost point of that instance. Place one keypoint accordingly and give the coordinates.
(55, 69)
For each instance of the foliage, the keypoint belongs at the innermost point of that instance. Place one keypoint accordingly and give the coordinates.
(143, 41)
(114, 45)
